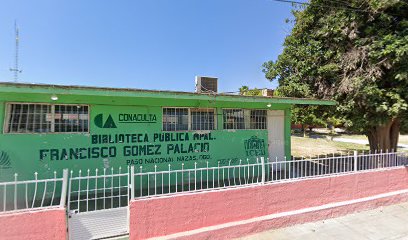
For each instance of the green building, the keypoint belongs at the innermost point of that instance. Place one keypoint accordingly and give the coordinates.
(47, 128)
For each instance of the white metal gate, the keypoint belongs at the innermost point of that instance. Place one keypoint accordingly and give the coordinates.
(98, 204)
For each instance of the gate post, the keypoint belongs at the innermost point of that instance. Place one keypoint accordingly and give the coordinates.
(132, 182)
(263, 169)
(64, 187)
(355, 161)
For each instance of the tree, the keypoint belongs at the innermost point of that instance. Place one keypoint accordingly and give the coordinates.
(355, 52)
(244, 90)
(307, 116)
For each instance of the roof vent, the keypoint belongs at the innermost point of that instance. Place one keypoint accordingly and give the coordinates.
(206, 84)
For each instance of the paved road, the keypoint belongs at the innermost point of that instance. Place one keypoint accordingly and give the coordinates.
(387, 223)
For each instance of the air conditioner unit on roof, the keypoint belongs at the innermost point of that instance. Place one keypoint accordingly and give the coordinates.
(206, 84)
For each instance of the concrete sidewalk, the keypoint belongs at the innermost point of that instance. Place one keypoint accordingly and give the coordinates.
(386, 223)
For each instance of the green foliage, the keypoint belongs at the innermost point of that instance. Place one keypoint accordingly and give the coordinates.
(334, 121)
(244, 90)
(308, 116)
(357, 57)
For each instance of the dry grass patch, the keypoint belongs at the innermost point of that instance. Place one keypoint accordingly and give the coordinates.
(403, 139)
(321, 146)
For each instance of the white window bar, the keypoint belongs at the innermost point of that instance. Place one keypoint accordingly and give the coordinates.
(258, 119)
(244, 119)
(184, 119)
(234, 118)
(45, 118)
(175, 119)
(202, 118)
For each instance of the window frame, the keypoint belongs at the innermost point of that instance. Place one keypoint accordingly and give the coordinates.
(247, 119)
(190, 119)
(214, 119)
(223, 119)
(266, 119)
(7, 115)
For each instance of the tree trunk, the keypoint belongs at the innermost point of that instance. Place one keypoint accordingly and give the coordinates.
(394, 134)
(384, 137)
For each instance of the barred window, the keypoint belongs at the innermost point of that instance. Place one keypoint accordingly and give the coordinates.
(184, 119)
(175, 119)
(46, 118)
(202, 119)
(71, 118)
(258, 119)
(244, 119)
(234, 119)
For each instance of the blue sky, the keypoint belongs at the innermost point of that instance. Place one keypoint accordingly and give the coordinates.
(152, 44)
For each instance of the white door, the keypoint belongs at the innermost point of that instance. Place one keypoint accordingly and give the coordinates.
(276, 135)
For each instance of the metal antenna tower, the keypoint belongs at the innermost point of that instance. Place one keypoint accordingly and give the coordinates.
(16, 70)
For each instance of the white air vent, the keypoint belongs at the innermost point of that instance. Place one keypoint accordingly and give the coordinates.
(206, 84)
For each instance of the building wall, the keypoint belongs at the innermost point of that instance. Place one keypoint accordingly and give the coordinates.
(34, 225)
(175, 214)
(46, 153)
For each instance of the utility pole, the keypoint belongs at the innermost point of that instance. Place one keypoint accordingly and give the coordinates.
(16, 69)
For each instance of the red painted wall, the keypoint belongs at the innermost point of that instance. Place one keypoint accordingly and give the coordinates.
(168, 215)
(231, 232)
(45, 224)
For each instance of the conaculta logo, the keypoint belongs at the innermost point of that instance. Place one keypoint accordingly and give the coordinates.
(108, 123)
